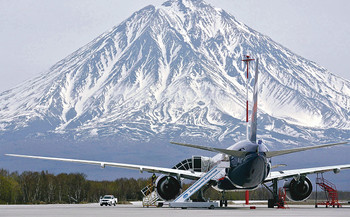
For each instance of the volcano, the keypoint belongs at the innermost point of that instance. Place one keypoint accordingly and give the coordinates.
(175, 72)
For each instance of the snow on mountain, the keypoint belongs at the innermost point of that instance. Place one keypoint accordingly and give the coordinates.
(176, 71)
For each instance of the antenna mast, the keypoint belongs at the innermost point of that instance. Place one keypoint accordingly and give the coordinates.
(247, 60)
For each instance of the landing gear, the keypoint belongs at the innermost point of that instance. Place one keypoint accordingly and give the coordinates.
(271, 203)
(223, 202)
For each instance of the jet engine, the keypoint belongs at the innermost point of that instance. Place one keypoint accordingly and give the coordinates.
(298, 190)
(168, 187)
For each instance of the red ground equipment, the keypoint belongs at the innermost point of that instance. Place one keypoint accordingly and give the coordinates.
(330, 191)
(282, 194)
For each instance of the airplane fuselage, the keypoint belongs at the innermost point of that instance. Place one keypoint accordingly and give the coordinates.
(247, 172)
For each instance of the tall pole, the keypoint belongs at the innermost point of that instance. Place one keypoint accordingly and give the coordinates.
(247, 60)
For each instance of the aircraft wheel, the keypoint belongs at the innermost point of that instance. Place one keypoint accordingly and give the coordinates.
(225, 203)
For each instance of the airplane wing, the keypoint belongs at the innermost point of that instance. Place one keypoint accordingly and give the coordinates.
(289, 151)
(182, 173)
(283, 174)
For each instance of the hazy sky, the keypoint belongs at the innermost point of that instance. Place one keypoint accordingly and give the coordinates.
(35, 34)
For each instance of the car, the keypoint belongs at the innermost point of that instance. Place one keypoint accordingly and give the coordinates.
(108, 200)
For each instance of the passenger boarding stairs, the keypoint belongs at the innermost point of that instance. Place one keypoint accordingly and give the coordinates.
(150, 196)
(196, 163)
(216, 172)
(331, 192)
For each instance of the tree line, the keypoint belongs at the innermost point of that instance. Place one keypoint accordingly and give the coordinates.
(44, 187)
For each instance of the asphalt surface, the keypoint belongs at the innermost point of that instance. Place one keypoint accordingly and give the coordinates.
(60, 210)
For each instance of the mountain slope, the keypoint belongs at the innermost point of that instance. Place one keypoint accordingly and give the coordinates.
(176, 71)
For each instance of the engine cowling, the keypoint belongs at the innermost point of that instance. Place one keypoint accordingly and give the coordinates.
(168, 187)
(298, 190)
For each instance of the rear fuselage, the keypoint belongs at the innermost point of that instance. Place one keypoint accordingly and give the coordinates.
(247, 172)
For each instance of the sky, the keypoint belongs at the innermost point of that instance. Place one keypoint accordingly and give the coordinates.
(35, 34)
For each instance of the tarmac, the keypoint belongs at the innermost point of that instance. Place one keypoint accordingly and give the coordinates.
(136, 209)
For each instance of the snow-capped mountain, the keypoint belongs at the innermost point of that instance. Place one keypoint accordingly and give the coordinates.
(176, 71)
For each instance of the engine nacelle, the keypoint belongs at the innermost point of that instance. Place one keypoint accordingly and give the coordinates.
(168, 187)
(298, 190)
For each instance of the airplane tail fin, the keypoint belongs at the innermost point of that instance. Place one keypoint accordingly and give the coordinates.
(253, 123)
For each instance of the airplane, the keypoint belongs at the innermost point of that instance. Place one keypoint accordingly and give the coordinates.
(245, 165)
